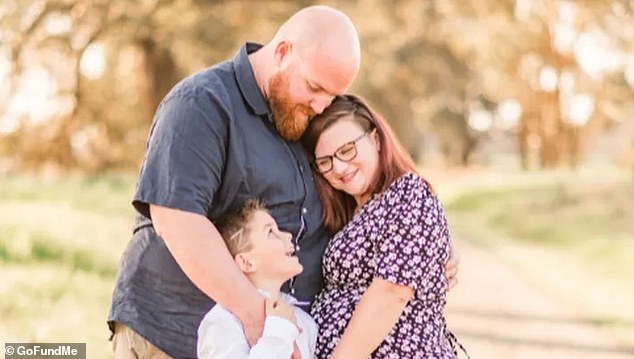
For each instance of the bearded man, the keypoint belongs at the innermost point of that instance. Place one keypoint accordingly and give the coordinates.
(221, 136)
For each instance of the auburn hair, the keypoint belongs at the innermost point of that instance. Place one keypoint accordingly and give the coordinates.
(394, 161)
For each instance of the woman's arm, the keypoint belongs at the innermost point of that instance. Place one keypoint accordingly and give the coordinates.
(374, 317)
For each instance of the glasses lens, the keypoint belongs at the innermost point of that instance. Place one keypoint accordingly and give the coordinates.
(323, 164)
(347, 152)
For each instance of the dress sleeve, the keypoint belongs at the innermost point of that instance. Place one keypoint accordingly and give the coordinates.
(413, 245)
(185, 154)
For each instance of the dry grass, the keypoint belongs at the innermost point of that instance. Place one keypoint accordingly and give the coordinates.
(571, 235)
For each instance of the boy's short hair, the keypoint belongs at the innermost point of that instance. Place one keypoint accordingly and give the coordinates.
(233, 227)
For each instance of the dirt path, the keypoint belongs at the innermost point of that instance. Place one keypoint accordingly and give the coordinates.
(497, 314)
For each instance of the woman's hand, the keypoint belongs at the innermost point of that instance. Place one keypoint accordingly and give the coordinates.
(451, 268)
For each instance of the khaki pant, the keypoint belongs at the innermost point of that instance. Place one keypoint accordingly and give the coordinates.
(128, 344)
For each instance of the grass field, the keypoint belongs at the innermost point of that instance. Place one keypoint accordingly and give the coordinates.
(571, 235)
(60, 242)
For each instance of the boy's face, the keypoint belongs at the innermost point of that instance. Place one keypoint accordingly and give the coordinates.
(272, 254)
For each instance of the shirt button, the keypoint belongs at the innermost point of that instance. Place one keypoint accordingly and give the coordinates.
(304, 210)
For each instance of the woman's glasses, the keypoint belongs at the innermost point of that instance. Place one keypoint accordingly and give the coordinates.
(345, 153)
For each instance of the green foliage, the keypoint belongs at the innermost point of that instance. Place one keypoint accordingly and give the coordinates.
(554, 214)
(60, 242)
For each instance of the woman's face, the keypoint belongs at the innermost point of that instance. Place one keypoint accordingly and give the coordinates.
(351, 173)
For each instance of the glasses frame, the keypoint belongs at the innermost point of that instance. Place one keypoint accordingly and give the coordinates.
(334, 155)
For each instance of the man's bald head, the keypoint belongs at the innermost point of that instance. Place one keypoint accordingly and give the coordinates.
(314, 56)
(320, 28)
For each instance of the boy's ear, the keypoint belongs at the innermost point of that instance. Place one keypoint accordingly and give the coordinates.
(245, 262)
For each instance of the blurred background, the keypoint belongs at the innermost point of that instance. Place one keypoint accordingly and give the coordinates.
(520, 112)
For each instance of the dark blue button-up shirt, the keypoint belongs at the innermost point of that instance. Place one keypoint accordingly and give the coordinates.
(212, 145)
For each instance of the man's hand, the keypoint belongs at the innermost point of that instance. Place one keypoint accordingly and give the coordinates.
(253, 329)
(451, 269)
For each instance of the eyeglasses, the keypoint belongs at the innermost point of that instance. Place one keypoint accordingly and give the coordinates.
(345, 153)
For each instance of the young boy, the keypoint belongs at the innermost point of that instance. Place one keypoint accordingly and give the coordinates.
(265, 255)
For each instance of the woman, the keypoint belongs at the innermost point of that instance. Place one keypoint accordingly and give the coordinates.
(384, 276)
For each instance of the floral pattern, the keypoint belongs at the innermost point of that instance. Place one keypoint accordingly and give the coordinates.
(400, 235)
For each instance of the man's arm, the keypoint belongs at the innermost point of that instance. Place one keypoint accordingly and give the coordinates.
(201, 253)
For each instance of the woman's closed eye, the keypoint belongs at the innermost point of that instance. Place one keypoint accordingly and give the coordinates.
(346, 149)
(322, 162)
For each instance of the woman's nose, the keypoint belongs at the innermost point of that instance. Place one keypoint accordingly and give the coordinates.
(338, 166)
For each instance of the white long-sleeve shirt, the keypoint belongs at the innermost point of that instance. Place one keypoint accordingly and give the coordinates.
(221, 336)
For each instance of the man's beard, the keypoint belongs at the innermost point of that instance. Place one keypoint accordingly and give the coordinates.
(291, 120)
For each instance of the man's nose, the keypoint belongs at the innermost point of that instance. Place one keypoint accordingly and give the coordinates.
(319, 104)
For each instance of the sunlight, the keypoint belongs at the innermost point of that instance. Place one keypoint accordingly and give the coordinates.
(509, 113)
(33, 100)
(595, 54)
(93, 61)
(57, 24)
(580, 109)
(548, 79)
(480, 120)
(565, 33)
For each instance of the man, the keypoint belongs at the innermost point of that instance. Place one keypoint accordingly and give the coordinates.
(222, 136)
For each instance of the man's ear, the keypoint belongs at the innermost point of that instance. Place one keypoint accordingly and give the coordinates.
(282, 51)
(245, 262)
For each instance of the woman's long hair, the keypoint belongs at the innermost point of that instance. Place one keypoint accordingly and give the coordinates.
(394, 161)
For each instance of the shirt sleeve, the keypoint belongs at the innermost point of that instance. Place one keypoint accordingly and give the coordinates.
(277, 340)
(309, 330)
(414, 243)
(221, 337)
(185, 155)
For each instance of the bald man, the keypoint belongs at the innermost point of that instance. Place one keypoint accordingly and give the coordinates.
(220, 137)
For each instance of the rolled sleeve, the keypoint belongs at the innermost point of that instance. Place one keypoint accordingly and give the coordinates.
(185, 157)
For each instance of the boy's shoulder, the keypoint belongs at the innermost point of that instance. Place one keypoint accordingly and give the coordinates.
(219, 316)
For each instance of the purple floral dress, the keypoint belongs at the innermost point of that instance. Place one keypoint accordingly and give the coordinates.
(400, 235)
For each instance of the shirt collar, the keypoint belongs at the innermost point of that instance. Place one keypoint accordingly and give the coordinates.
(289, 298)
(246, 79)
